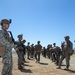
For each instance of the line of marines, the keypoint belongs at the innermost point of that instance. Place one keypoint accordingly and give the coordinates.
(7, 42)
(55, 53)
(30, 50)
(58, 54)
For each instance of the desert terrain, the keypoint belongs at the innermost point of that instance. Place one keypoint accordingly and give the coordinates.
(46, 67)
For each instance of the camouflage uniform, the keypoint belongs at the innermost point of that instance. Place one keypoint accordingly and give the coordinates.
(38, 48)
(49, 53)
(57, 54)
(7, 58)
(28, 51)
(32, 50)
(19, 50)
(53, 53)
(44, 52)
(24, 49)
(68, 47)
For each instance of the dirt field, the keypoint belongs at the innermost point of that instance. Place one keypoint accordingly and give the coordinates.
(46, 67)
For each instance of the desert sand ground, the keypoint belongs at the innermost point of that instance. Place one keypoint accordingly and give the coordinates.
(46, 67)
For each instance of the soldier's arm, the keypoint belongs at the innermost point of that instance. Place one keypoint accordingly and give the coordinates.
(70, 45)
(35, 47)
(41, 47)
(3, 40)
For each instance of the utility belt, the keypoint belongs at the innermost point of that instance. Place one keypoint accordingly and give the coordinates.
(20, 48)
(38, 51)
(66, 49)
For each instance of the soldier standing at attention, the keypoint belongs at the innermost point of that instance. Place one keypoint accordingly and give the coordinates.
(19, 50)
(53, 54)
(24, 49)
(48, 51)
(38, 48)
(44, 52)
(5, 40)
(68, 51)
(28, 51)
(32, 50)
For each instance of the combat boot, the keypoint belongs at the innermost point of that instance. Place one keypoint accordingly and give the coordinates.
(59, 67)
(67, 67)
(20, 67)
(24, 60)
(36, 61)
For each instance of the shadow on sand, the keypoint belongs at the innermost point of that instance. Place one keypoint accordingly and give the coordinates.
(26, 62)
(71, 71)
(28, 65)
(43, 63)
(26, 70)
(63, 65)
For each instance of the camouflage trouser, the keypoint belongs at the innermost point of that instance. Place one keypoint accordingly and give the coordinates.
(23, 56)
(7, 67)
(53, 57)
(32, 54)
(67, 57)
(20, 57)
(28, 54)
(7, 62)
(48, 54)
(44, 54)
(37, 56)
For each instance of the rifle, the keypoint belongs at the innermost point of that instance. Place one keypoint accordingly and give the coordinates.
(11, 39)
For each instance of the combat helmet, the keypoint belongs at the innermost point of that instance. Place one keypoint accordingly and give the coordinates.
(54, 43)
(38, 42)
(68, 37)
(6, 21)
(28, 42)
(20, 35)
(24, 41)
